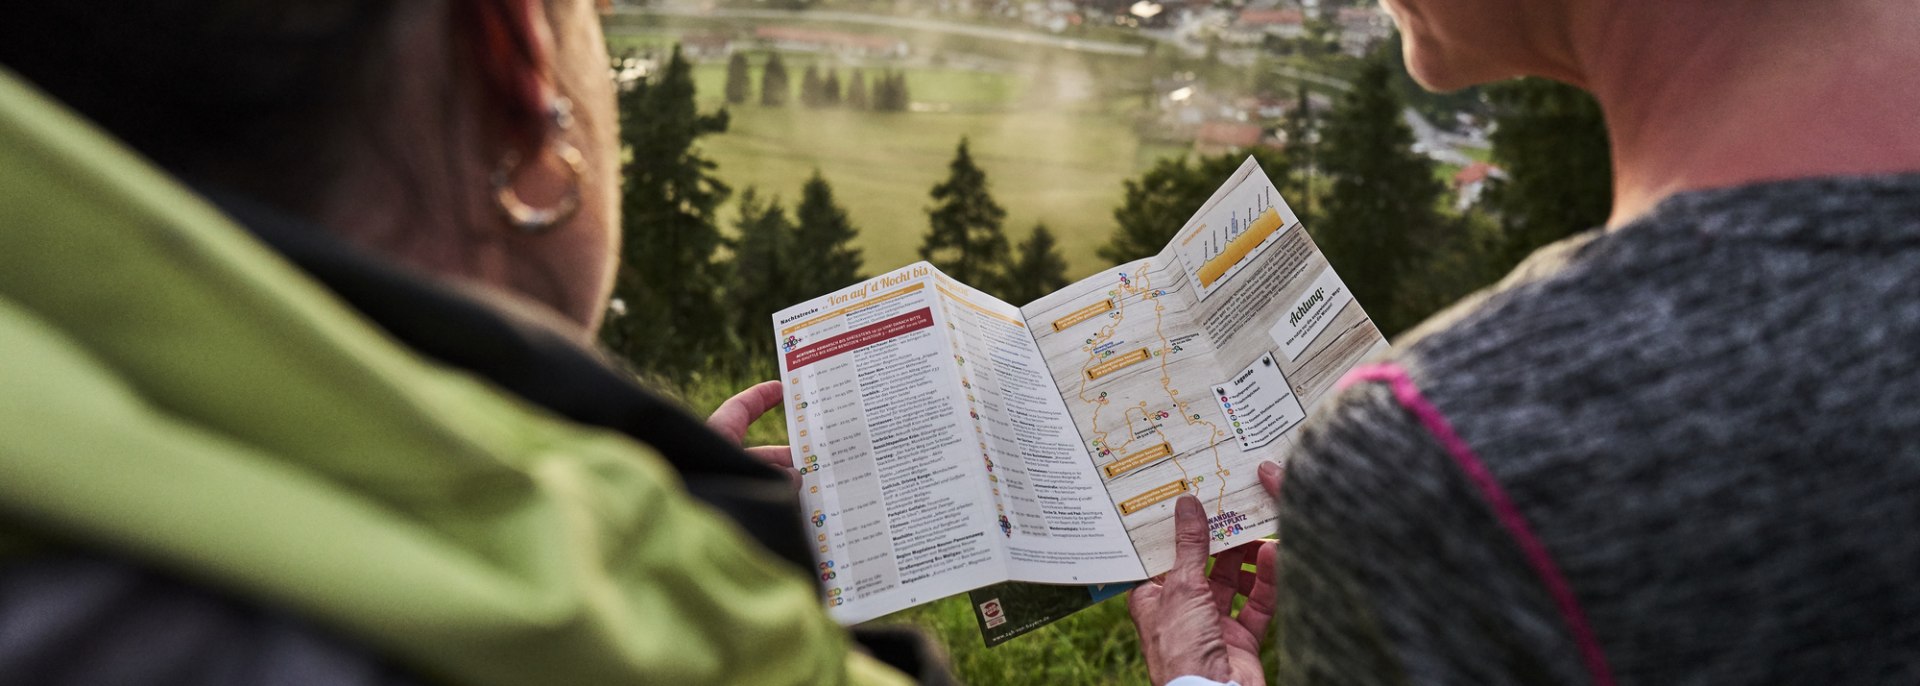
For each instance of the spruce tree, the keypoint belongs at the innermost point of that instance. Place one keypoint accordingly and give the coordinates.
(1552, 142)
(1383, 196)
(766, 273)
(1037, 269)
(830, 89)
(883, 92)
(810, 87)
(826, 240)
(856, 96)
(965, 238)
(737, 86)
(902, 97)
(774, 88)
(1301, 129)
(1161, 201)
(890, 92)
(668, 278)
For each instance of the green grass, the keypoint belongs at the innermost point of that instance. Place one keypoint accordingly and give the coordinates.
(1046, 161)
(1065, 171)
(1049, 158)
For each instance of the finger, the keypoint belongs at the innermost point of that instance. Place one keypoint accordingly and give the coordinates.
(776, 455)
(1189, 542)
(1258, 612)
(738, 412)
(1224, 580)
(1270, 476)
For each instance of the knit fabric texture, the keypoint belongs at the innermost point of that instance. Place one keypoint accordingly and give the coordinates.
(1682, 451)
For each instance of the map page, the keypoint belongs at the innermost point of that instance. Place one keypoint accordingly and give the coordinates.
(935, 454)
(1183, 371)
(948, 441)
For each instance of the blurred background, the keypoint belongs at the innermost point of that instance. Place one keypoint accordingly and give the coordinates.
(780, 149)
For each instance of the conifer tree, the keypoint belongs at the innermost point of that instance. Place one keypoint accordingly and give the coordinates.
(902, 98)
(825, 240)
(856, 96)
(1552, 142)
(890, 92)
(668, 278)
(1301, 129)
(774, 88)
(737, 86)
(883, 92)
(1037, 269)
(810, 87)
(830, 89)
(965, 238)
(1383, 196)
(766, 275)
(1158, 203)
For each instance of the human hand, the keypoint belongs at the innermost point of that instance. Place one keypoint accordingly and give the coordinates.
(738, 412)
(1270, 476)
(1185, 618)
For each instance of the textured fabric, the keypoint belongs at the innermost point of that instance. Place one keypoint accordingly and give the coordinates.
(1708, 422)
(177, 395)
(88, 622)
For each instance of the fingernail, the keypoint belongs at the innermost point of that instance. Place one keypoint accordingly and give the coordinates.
(1269, 469)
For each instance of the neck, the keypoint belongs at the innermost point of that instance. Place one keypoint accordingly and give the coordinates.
(1709, 95)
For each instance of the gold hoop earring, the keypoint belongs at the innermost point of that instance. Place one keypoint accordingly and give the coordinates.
(527, 218)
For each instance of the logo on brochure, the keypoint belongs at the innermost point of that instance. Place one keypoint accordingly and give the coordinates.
(1227, 524)
(991, 613)
(819, 519)
(791, 342)
(1006, 527)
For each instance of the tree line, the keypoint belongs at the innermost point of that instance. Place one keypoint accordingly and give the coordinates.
(888, 92)
(696, 301)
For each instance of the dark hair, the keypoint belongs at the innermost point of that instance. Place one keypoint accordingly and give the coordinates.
(250, 90)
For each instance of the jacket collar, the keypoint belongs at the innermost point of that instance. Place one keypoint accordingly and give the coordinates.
(534, 360)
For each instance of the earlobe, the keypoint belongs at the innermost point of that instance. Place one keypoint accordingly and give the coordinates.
(523, 216)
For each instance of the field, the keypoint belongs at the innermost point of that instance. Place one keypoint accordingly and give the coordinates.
(1055, 150)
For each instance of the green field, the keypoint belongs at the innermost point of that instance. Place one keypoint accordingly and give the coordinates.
(1063, 166)
(1050, 157)
(1059, 170)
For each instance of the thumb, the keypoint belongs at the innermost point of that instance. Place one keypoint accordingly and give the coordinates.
(1189, 540)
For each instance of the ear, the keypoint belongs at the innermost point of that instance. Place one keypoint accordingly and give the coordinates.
(506, 42)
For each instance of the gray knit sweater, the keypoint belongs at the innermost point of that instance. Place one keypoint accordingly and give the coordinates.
(1686, 451)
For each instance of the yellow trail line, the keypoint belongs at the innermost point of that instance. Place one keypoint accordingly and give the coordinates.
(1144, 284)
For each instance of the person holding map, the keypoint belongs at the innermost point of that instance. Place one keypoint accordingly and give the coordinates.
(1676, 449)
(295, 385)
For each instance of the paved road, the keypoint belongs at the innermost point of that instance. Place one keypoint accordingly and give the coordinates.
(913, 23)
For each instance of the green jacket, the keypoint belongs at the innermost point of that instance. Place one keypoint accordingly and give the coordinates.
(174, 393)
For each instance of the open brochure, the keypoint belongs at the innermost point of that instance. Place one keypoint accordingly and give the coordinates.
(948, 440)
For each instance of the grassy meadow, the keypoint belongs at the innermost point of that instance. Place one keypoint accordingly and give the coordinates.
(1054, 146)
